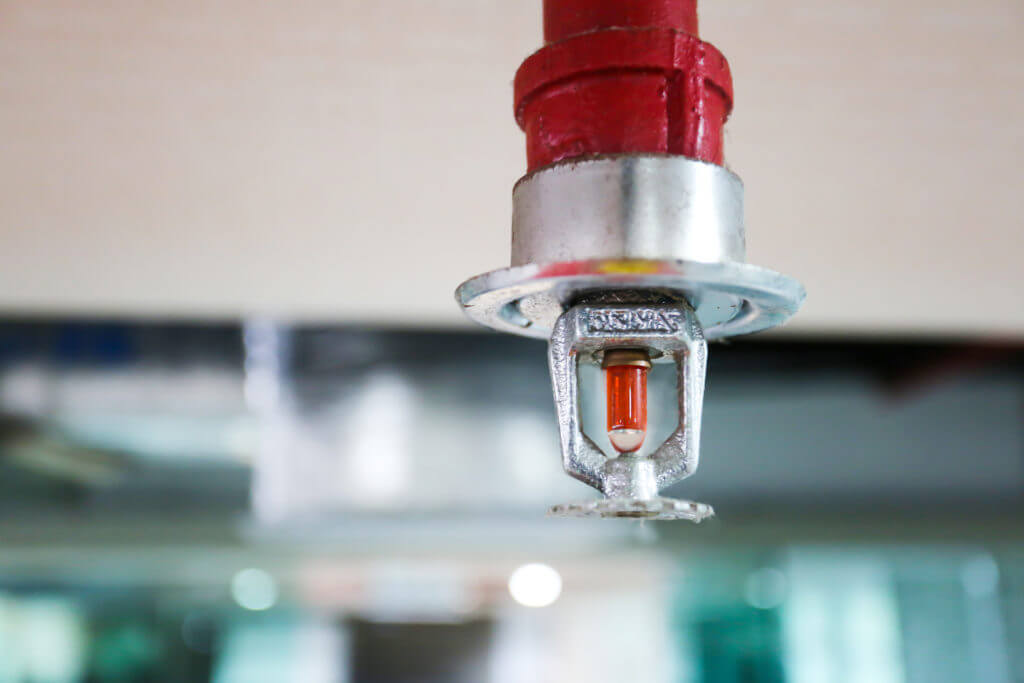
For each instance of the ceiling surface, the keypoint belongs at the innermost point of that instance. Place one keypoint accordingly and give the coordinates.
(352, 160)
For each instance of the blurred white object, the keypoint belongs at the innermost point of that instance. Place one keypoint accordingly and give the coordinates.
(535, 585)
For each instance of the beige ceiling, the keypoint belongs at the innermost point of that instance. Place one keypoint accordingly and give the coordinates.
(352, 160)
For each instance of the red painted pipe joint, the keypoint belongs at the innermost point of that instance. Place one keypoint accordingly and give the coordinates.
(619, 77)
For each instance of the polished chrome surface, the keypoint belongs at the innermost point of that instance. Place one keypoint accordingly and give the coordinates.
(628, 207)
(667, 332)
(728, 298)
(641, 222)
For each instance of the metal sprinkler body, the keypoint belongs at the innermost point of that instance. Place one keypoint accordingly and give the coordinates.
(628, 241)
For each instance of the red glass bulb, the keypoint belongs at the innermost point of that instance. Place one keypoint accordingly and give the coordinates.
(626, 389)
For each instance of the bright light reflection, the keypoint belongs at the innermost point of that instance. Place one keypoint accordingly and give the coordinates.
(254, 589)
(535, 585)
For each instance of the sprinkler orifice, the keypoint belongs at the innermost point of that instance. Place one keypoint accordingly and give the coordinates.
(628, 242)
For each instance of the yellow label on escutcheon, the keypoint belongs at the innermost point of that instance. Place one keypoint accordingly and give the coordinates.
(628, 267)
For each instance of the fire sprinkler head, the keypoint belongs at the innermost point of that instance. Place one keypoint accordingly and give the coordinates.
(628, 241)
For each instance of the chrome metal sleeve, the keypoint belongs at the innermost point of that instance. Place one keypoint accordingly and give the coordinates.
(628, 207)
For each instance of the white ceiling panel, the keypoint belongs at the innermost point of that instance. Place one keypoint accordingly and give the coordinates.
(352, 160)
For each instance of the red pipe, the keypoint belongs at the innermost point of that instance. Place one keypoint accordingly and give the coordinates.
(622, 76)
(566, 18)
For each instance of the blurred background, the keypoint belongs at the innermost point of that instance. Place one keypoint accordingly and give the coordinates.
(246, 436)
